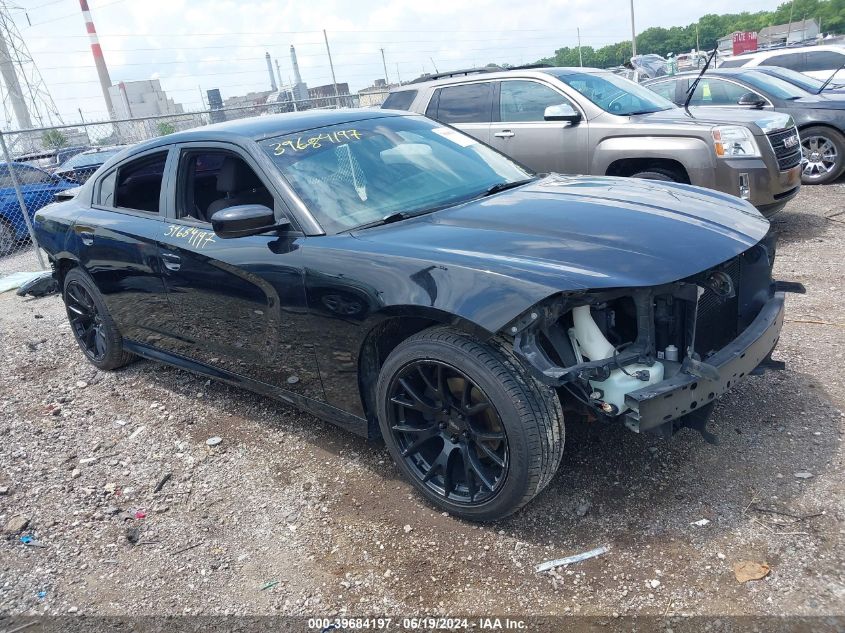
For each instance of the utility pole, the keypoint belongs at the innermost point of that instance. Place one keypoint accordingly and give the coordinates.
(697, 44)
(331, 66)
(789, 26)
(398, 76)
(580, 59)
(82, 118)
(633, 33)
(384, 63)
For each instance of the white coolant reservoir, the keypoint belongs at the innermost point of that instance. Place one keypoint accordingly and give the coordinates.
(590, 342)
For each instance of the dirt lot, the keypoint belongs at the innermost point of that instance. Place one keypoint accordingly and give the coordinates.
(290, 515)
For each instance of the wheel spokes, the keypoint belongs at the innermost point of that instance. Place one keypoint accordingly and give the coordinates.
(448, 432)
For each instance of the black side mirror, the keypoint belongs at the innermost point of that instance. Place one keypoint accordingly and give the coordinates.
(245, 219)
(751, 99)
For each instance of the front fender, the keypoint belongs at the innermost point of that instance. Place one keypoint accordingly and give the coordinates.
(694, 154)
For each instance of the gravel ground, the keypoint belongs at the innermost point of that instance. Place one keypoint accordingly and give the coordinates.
(131, 512)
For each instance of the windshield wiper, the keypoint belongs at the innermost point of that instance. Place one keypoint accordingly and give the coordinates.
(396, 216)
(694, 84)
(829, 79)
(504, 186)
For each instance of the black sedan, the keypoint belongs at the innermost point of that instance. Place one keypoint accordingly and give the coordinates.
(805, 82)
(404, 281)
(820, 118)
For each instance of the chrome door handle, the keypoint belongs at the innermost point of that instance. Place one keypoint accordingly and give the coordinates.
(171, 261)
(504, 134)
(87, 237)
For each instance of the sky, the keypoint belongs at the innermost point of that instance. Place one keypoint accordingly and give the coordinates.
(196, 45)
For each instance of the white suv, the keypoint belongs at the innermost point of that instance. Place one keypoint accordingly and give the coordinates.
(815, 61)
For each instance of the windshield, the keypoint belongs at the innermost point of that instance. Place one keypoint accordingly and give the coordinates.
(794, 77)
(615, 94)
(360, 172)
(773, 86)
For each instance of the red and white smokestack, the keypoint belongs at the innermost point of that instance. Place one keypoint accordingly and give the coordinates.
(97, 51)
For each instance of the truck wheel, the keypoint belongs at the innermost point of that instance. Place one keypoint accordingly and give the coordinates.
(823, 157)
(92, 325)
(467, 424)
(658, 173)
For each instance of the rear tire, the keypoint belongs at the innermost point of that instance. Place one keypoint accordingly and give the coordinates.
(658, 173)
(823, 159)
(92, 325)
(467, 424)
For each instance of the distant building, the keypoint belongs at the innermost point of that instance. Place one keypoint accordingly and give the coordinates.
(325, 97)
(136, 99)
(788, 33)
(374, 95)
(248, 100)
(215, 104)
(726, 44)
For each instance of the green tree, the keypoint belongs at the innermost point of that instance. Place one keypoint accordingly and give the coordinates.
(54, 139)
(165, 127)
(830, 14)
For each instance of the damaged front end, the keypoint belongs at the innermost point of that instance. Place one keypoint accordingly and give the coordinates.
(656, 358)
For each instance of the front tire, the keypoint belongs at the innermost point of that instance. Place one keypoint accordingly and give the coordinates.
(92, 325)
(658, 173)
(8, 239)
(823, 158)
(467, 424)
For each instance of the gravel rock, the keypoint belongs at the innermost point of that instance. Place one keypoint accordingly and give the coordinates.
(16, 525)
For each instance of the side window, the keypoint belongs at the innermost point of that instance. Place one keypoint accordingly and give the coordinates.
(822, 60)
(527, 100)
(138, 184)
(29, 176)
(793, 61)
(665, 89)
(106, 194)
(470, 103)
(717, 92)
(211, 180)
(399, 100)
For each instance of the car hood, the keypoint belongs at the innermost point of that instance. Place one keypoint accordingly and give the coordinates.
(826, 102)
(578, 232)
(764, 121)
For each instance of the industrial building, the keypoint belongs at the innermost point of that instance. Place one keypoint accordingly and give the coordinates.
(135, 99)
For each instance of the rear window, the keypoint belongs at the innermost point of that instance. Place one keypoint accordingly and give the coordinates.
(470, 103)
(401, 100)
(734, 63)
(823, 60)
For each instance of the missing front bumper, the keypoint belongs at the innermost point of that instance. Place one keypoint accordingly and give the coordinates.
(663, 402)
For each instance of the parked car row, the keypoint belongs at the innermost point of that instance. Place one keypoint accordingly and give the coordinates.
(820, 118)
(589, 121)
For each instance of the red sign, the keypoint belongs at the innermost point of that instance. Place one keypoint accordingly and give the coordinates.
(744, 42)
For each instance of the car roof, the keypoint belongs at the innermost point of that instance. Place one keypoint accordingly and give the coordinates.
(462, 76)
(784, 50)
(255, 128)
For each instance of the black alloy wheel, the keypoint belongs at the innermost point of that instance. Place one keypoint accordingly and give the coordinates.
(91, 323)
(86, 321)
(467, 424)
(448, 432)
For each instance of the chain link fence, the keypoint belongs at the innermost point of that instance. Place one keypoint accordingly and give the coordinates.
(45, 165)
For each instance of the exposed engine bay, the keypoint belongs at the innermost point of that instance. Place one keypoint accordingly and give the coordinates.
(611, 352)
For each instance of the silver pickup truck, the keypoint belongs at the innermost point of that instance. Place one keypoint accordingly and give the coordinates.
(590, 121)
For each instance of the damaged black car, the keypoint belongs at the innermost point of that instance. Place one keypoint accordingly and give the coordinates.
(398, 278)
